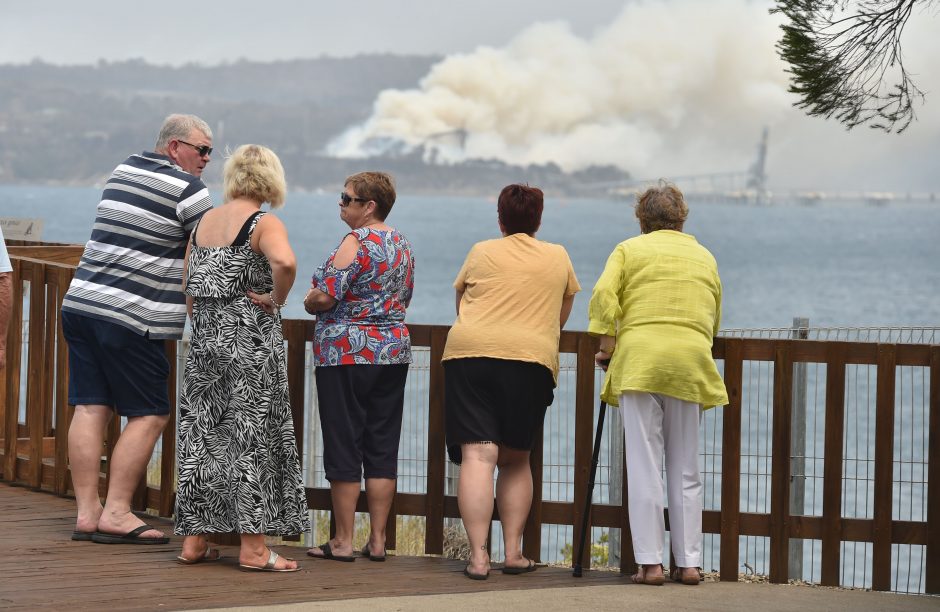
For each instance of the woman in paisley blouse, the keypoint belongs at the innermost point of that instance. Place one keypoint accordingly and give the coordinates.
(361, 352)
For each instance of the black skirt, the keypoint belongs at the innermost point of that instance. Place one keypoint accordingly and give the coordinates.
(494, 400)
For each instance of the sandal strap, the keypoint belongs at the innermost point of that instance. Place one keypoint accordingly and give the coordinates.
(272, 560)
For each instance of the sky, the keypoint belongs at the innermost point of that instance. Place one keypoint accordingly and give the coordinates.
(657, 87)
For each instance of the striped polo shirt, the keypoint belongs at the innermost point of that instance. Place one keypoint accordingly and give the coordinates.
(131, 271)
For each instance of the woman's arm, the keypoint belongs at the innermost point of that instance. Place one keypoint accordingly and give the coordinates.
(459, 297)
(189, 300)
(566, 305)
(270, 239)
(602, 357)
(318, 300)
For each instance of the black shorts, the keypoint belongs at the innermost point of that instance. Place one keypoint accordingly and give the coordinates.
(360, 415)
(112, 365)
(494, 400)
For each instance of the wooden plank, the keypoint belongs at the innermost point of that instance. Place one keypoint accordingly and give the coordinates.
(35, 359)
(167, 495)
(731, 463)
(583, 442)
(884, 469)
(532, 532)
(49, 356)
(932, 560)
(913, 355)
(755, 524)
(63, 411)
(293, 331)
(14, 352)
(434, 532)
(806, 527)
(780, 465)
(296, 354)
(831, 564)
(43, 568)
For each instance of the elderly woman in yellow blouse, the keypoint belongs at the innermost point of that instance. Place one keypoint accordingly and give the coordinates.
(514, 295)
(656, 308)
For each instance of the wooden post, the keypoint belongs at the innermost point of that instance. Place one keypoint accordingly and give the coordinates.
(63, 412)
(780, 464)
(436, 449)
(832, 465)
(731, 462)
(932, 556)
(884, 466)
(583, 442)
(14, 352)
(532, 533)
(35, 388)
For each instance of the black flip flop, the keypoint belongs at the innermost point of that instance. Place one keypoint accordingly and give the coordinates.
(82, 536)
(472, 576)
(132, 537)
(328, 554)
(531, 567)
(367, 552)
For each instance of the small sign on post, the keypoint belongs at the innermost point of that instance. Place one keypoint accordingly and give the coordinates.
(15, 228)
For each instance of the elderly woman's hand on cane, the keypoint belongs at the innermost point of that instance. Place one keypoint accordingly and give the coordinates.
(602, 357)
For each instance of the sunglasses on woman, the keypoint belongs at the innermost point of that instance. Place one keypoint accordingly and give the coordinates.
(347, 199)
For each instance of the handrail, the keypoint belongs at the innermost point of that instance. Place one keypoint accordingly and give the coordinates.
(34, 452)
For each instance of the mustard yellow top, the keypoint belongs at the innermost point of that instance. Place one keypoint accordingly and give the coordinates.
(660, 295)
(513, 288)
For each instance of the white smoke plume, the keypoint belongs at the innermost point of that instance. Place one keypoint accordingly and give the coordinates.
(667, 88)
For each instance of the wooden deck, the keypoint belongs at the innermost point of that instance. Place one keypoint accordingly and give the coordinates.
(33, 452)
(41, 568)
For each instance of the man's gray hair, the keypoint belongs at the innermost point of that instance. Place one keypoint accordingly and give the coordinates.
(178, 127)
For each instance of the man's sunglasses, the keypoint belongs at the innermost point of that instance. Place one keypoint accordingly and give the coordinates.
(203, 150)
(347, 199)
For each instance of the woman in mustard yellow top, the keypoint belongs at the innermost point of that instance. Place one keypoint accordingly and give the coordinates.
(514, 294)
(656, 308)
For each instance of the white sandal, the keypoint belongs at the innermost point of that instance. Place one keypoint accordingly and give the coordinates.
(269, 566)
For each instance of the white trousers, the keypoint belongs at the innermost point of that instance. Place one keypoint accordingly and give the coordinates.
(654, 423)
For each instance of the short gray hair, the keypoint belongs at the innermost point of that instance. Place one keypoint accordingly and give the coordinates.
(661, 207)
(177, 127)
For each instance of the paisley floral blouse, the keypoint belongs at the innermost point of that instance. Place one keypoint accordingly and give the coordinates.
(367, 323)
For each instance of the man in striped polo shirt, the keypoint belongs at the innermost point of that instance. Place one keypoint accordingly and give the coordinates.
(126, 299)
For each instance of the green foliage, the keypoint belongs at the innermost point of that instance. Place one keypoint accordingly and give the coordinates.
(599, 552)
(845, 60)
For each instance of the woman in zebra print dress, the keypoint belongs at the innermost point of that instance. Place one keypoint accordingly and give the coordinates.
(237, 458)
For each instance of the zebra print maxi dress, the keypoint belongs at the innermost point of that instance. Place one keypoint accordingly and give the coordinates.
(237, 459)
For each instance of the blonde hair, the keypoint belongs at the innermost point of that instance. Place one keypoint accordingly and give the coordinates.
(661, 207)
(254, 172)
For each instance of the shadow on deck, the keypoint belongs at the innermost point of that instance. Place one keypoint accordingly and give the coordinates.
(41, 568)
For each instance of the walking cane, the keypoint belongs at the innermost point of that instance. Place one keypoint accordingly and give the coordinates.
(590, 492)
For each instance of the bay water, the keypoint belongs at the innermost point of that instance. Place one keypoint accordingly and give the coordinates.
(839, 263)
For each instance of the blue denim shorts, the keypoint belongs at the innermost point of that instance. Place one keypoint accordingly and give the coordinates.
(112, 365)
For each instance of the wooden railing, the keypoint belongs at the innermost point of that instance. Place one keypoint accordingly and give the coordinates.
(34, 452)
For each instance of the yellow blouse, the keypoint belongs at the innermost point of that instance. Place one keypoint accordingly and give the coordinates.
(660, 295)
(513, 288)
